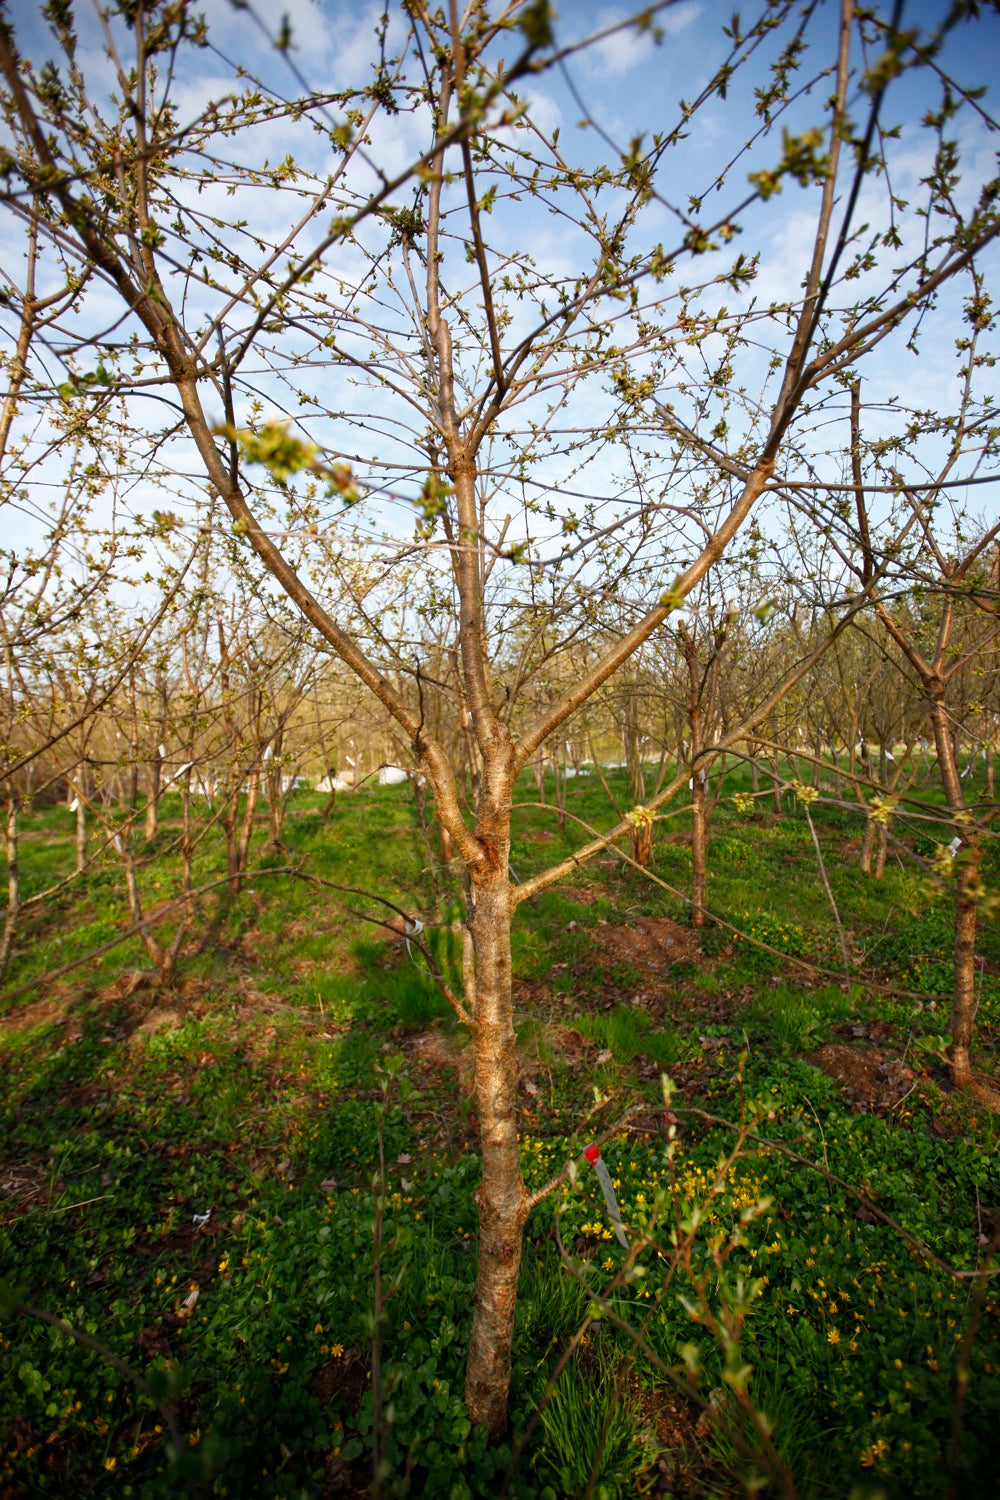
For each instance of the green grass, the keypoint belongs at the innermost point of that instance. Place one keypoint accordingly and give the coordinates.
(628, 1034)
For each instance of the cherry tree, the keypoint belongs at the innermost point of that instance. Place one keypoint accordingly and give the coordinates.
(407, 318)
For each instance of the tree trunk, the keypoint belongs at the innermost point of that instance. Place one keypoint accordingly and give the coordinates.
(80, 808)
(699, 845)
(776, 783)
(153, 798)
(963, 1003)
(838, 784)
(274, 790)
(13, 885)
(501, 1197)
(881, 851)
(559, 775)
(538, 772)
(963, 1008)
(699, 811)
(242, 851)
(275, 811)
(146, 937)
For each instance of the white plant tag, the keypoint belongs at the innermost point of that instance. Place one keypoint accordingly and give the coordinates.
(414, 927)
(593, 1155)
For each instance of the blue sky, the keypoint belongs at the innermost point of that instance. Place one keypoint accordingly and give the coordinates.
(626, 86)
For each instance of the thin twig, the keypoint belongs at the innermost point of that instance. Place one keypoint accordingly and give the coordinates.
(829, 893)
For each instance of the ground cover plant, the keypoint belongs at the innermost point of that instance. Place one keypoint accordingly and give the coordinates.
(254, 1186)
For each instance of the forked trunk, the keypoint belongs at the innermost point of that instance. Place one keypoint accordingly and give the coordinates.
(501, 1197)
(881, 851)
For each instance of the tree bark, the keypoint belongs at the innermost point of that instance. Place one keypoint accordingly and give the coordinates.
(13, 884)
(79, 788)
(963, 1003)
(501, 1197)
(699, 845)
(153, 798)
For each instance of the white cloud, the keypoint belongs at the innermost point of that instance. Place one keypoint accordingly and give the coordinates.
(632, 47)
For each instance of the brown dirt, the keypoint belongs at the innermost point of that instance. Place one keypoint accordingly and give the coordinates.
(126, 985)
(344, 1379)
(874, 1079)
(341, 1383)
(533, 995)
(22, 1186)
(48, 1012)
(255, 1003)
(585, 894)
(158, 1019)
(451, 1057)
(651, 943)
(437, 1053)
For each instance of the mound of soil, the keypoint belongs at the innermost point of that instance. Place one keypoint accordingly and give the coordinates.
(651, 943)
(873, 1078)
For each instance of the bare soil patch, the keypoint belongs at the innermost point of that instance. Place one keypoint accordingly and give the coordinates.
(874, 1079)
(652, 943)
(438, 1053)
(48, 1012)
(23, 1185)
(160, 1018)
(584, 894)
